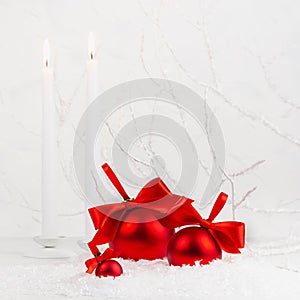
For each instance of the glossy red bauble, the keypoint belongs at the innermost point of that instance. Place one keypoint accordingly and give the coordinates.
(138, 238)
(192, 244)
(109, 268)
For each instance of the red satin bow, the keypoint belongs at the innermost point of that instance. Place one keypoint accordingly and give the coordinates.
(92, 263)
(230, 235)
(170, 210)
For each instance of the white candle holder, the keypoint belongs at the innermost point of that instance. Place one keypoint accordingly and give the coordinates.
(49, 248)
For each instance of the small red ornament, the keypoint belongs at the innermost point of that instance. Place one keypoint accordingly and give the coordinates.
(139, 240)
(109, 268)
(192, 244)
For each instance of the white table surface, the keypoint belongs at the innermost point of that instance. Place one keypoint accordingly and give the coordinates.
(235, 277)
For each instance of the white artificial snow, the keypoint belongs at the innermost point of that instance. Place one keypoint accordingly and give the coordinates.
(234, 277)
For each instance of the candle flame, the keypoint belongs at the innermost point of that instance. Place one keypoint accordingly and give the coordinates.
(91, 45)
(46, 53)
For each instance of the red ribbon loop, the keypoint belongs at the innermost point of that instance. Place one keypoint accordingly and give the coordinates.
(115, 181)
(218, 206)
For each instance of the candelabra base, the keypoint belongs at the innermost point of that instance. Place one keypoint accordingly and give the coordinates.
(48, 249)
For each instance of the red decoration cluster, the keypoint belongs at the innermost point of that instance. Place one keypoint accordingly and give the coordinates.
(144, 228)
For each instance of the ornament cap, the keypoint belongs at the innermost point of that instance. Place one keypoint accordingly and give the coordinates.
(128, 200)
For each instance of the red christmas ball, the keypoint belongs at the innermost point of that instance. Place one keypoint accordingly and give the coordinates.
(109, 268)
(141, 236)
(192, 244)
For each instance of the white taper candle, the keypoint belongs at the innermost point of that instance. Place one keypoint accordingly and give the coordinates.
(92, 93)
(49, 215)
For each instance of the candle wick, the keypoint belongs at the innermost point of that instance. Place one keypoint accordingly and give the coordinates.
(46, 62)
(92, 55)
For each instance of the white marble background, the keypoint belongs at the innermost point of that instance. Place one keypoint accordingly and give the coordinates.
(242, 55)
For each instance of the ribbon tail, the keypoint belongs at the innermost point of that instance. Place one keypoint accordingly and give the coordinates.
(91, 265)
(107, 220)
(104, 235)
(226, 243)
